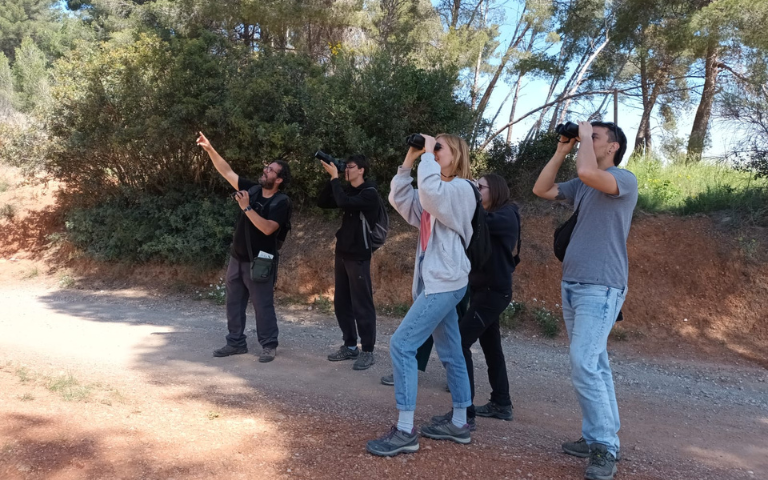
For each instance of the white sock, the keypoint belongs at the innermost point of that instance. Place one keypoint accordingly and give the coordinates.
(405, 421)
(353, 348)
(459, 416)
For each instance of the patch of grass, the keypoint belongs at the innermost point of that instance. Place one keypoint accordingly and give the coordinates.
(32, 273)
(749, 247)
(8, 211)
(66, 281)
(397, 310)
(4, 185)
(218, 292)
(512, 315)
(619, 333)
(213, 415)
(547, 321)
(323, 305)
(69, 388)
(700, 188)
(23, 374)
(27, 397)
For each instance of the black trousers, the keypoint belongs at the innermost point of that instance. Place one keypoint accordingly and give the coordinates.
(240, 288)
(481, 322)
(353, 302)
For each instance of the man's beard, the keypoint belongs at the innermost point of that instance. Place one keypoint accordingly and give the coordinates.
(266, 183)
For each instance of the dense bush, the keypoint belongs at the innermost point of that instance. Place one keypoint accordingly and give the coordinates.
(178, 227)
(126, 115)
(521, 164)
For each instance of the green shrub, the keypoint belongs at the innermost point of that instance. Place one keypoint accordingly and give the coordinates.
(521, 164)
(511, 316)
(547, 321)
(179, 227)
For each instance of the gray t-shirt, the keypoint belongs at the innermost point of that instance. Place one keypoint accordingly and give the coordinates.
(597, 253)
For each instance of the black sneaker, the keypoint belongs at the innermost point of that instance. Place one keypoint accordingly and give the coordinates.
(580, 449)
(364, 361)
(267, 355)
(343, 353)
(448, 417)
(228, 350)
(394, 442)
(602, 464)
(493, 409)
(388, 379)
(447, 431)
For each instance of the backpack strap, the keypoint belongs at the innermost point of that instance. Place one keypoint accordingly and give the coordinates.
(257, 189)
(516, 258)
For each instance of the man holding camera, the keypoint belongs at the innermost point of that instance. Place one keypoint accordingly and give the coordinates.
(353, 298)
(265, 212)
(595, 272)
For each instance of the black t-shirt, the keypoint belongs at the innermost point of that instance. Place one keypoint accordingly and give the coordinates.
(274, 208)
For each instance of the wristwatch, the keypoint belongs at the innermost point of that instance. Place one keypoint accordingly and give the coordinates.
(247, 209)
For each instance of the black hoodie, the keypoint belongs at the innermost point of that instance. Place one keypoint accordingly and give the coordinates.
(496, 273)
(350, 242)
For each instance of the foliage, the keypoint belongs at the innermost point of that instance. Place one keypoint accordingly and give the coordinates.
(521, 164)
(699, 188)
(178, 227)
(548, 322)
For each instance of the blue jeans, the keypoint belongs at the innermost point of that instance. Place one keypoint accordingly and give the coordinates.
(589, 312)
(430, 315)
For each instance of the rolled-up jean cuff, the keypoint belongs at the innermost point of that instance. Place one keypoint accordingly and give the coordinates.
(462, 404)
(407, 408)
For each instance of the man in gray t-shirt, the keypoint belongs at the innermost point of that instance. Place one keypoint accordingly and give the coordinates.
(594, 286)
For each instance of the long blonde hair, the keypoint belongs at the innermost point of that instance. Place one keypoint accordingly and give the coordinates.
(460, 151)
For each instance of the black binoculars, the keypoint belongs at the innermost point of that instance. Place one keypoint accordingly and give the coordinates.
(417, 141)
(340, 164)
(568, 130)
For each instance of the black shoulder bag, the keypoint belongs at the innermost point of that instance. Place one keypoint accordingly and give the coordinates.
(563, 235)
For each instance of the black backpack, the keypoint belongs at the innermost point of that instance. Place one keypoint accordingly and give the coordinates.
(378, 230)
(479, 248)
(282, 233)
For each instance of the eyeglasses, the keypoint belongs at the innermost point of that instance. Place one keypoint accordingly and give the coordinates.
(482, 187)
(269, 169)
(351, 166)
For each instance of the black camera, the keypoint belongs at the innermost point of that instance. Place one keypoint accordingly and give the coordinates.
(568, 130)
(416, 141)
(340, 165)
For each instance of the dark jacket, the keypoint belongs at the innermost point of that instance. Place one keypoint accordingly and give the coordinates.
(496, 274)
(350, 242)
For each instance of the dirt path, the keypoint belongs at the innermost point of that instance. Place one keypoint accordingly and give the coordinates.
(122, 384)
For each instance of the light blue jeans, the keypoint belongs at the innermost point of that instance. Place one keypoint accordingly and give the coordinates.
(430, 315)
(589, 312)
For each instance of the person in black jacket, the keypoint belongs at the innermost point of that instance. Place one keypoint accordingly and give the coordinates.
(353, 298)
(490, 289)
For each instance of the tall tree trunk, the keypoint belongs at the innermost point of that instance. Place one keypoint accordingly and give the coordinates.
(703, 113)
(514, 107)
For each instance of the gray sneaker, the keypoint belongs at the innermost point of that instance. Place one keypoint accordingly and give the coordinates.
(580, 449)
(388, 379)
(364, 361)
(447, 431)
(267, 354)
(394, 442)
(343, 353)
(448, 418)
(602, 464)
(493, 409)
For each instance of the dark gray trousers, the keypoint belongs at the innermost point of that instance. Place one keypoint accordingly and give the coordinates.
(240, 288)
